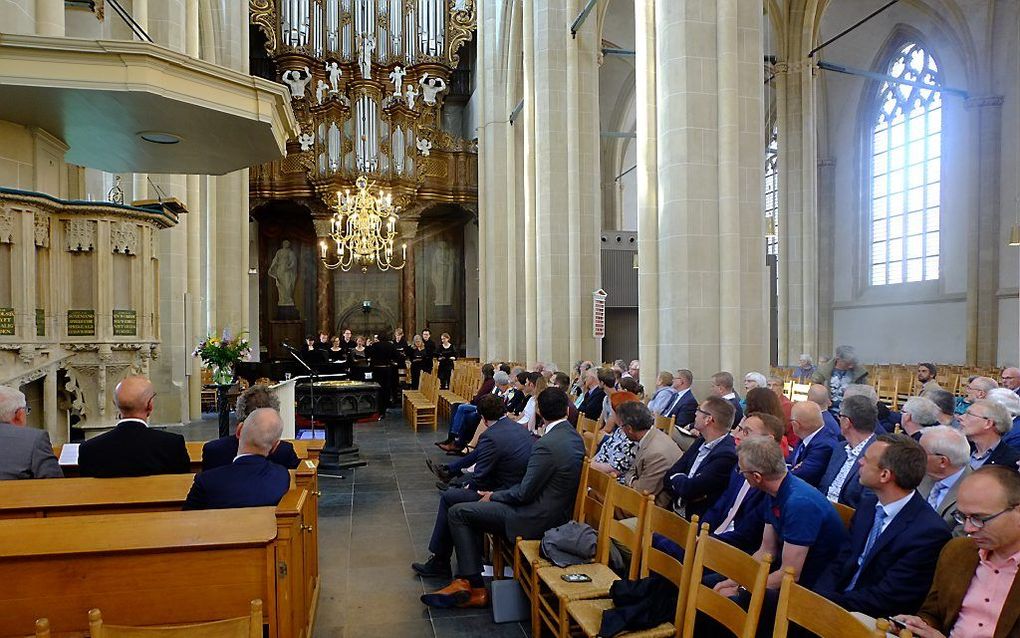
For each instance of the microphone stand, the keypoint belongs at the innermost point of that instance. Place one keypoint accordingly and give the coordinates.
(312, 375)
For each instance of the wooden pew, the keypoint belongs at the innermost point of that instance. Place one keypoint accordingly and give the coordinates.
(296, 543)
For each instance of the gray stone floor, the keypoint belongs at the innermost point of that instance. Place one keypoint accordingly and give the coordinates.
(372, 525)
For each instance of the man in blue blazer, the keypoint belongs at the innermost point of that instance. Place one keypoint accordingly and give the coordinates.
(252, 480)
(222, 451)
(810, 458)
(703, 472)
(684, 405)
(500, 462)
(895, 536)
(594, 395)
(841, 481)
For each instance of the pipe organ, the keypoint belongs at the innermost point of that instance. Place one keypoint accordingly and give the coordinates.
(368, 81)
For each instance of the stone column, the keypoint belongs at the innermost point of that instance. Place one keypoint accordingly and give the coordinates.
(983, 232)
(49, 18)
(323, 279)
(710, 277)
(826, 246)
(408, 228)
(231, 248)
(530, 234)
(56, 428)
(195, 322)
(647, 183)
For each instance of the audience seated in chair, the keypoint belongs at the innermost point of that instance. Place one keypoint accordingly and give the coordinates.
(500, 462)
(1011, 401)
(841, 481)
(948, 462)
(221, 451)
(811, 457)
(656, 452)
(984, 424)
(542, 500)
(702, 473)
(664, 393)
(974, 593)
(562, 381)
(132, 448)
(615, 455)
(252, 480)
(465, 417)
(917, 414)
(895, 536)
(722, 387)
(592, 395)
(839, 372)
(25, 452)
(819, 395)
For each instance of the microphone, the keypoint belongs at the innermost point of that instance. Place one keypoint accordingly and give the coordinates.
(288, 346)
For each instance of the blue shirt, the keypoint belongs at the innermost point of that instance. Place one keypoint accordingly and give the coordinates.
(802, 515)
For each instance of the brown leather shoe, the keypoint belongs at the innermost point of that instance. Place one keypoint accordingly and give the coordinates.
(455, 594)
(479, 598)
(449, 447)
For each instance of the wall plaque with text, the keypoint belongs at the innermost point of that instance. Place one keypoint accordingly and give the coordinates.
(7, 321)
(81, 323)
(40, 322)
(125, 323)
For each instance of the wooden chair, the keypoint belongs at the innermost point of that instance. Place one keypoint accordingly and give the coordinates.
(820, 616)
(725, 560)
(245, 627)
(420, 406)
(589, 431)
(553, 594)
(588, 613)
(799, 391)
(845, 513)
(42, 629)
(663, 423)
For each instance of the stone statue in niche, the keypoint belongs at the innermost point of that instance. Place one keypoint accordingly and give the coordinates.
(284, 271)
(424, 146)
(443, 272)
(334, 73)
(411, 96)
(397, 78)
(320, 91)
(365, 56)
(306, 140)
(296, 81)
(431, 86)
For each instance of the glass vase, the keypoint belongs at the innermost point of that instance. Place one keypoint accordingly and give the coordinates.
(223, 375)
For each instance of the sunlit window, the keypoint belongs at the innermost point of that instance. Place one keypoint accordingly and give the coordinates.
(906, 172)
(771, 195)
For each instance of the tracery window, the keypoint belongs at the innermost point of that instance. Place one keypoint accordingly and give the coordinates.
(906, 151)
(772, 194)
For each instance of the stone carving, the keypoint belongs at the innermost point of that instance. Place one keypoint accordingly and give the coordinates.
(42, 230)
(411, 94)
(320, 91)
(334, 73)
(431, 86)
(6, 227)
(116, 194)
(80, 235)
(461, 6)
(397, 78)
(365, 56)
(306, 140)
(74, 388)
(124, 238)
(424, 146)
(297, 82)
(284, 271)
(443, 272)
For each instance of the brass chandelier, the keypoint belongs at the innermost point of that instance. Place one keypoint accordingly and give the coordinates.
(363, 229)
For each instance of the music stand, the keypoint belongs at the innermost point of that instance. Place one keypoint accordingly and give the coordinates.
(312, 374)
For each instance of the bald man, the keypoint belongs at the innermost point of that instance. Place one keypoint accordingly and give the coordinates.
(132, 448)
(252, 480)
(812, 455)
(819, 394)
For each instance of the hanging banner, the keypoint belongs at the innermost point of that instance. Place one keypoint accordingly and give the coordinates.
(598, 315)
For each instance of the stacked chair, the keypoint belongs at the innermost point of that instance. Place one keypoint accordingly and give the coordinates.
(464, 384)
(420, 405)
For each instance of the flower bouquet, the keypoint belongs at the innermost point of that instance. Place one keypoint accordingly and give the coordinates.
(221, 352)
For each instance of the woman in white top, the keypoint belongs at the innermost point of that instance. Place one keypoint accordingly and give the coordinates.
(529, 417)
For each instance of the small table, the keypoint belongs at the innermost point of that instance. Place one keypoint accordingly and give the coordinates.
(222, 405)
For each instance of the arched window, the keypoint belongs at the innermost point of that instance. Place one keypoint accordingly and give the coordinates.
(906, 153)
(772, 194)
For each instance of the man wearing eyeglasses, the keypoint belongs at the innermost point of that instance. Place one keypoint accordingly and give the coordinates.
(976, 593)
(1011, 379)
(948, 462)
(984, 424)
(25, 452)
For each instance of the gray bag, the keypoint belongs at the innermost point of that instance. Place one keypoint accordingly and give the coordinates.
(572, 543)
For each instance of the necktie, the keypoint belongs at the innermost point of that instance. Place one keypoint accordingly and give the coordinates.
(876, 529)
(797, 453)
(732, 514)
(935, 497)
(668, 412)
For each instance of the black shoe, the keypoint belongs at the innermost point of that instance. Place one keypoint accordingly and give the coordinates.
(443, 442)
(442, 487)
(434, 567)
(441, 471)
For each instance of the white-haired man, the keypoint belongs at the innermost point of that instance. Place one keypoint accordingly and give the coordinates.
(918, 413)
(984, 423)
(1011, 401)
(841, 371)
(252, 480)
(1011, 379)
(948, 456)
(25, 452)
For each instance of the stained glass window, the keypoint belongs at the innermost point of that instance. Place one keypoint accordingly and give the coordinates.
(906, 148)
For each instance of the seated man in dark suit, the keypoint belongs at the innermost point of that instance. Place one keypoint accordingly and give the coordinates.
(684, 405)
(703, 472)
(841, 481)
(722, 386)
(811, 457)
(25, 452)
(500, 461)
(542, 500)
(222, 451)
(591, 403)
(895, 536)
(985, 423)
(974, 593)
(131, 448)
(252, 480)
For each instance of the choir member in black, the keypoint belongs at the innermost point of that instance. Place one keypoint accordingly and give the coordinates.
(385, 359)
(446, 354)
(420, 360)
(400, 343)
(430, 345)
(358, 355)
(336, 353)
(347, 343)
(323, 342)
(311, 354)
